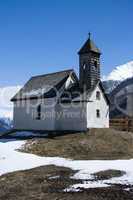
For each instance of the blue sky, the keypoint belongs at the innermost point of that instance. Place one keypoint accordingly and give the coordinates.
(42, 36)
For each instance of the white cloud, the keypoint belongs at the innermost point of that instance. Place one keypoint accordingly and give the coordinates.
(6, 106)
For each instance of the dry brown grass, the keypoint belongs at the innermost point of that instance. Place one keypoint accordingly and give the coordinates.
(95, 144)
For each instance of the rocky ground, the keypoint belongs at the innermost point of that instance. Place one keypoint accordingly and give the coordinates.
(49, 182)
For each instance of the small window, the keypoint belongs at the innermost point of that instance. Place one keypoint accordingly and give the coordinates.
(98, 95)
(95, 63)
(84, 66)
(98, 113)
(38, 112)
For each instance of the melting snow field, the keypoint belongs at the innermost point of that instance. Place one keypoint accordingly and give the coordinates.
(11, 160)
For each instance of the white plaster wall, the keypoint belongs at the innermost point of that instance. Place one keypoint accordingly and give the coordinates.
(25, 115)
(92, 120)
(71, 117)
(69, 82)
(59, 117)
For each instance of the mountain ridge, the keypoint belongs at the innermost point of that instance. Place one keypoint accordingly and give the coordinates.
(121, 72)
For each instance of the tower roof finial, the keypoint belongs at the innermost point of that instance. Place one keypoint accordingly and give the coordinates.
(89, 35)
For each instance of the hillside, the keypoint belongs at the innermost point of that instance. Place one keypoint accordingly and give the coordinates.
(95, 144)
(49, 182)
(28, 176)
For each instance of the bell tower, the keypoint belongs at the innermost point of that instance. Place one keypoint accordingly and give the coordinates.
(89, 64)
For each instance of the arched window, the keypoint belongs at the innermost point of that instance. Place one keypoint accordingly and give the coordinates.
(98, 113)
(38, 112)
(98, 95)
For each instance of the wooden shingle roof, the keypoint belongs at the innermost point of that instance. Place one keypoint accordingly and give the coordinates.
(89, 46)
(43, 85)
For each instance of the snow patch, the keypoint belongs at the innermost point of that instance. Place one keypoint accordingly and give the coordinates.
(86, 185)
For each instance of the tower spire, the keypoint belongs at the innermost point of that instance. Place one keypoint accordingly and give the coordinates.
(89, 46)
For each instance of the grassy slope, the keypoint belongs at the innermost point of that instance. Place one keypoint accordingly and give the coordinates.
(96, 144)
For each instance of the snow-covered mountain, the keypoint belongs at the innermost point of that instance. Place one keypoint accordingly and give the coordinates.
(6, 107)
(119, 74)
(5, 124)
(110, 85)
